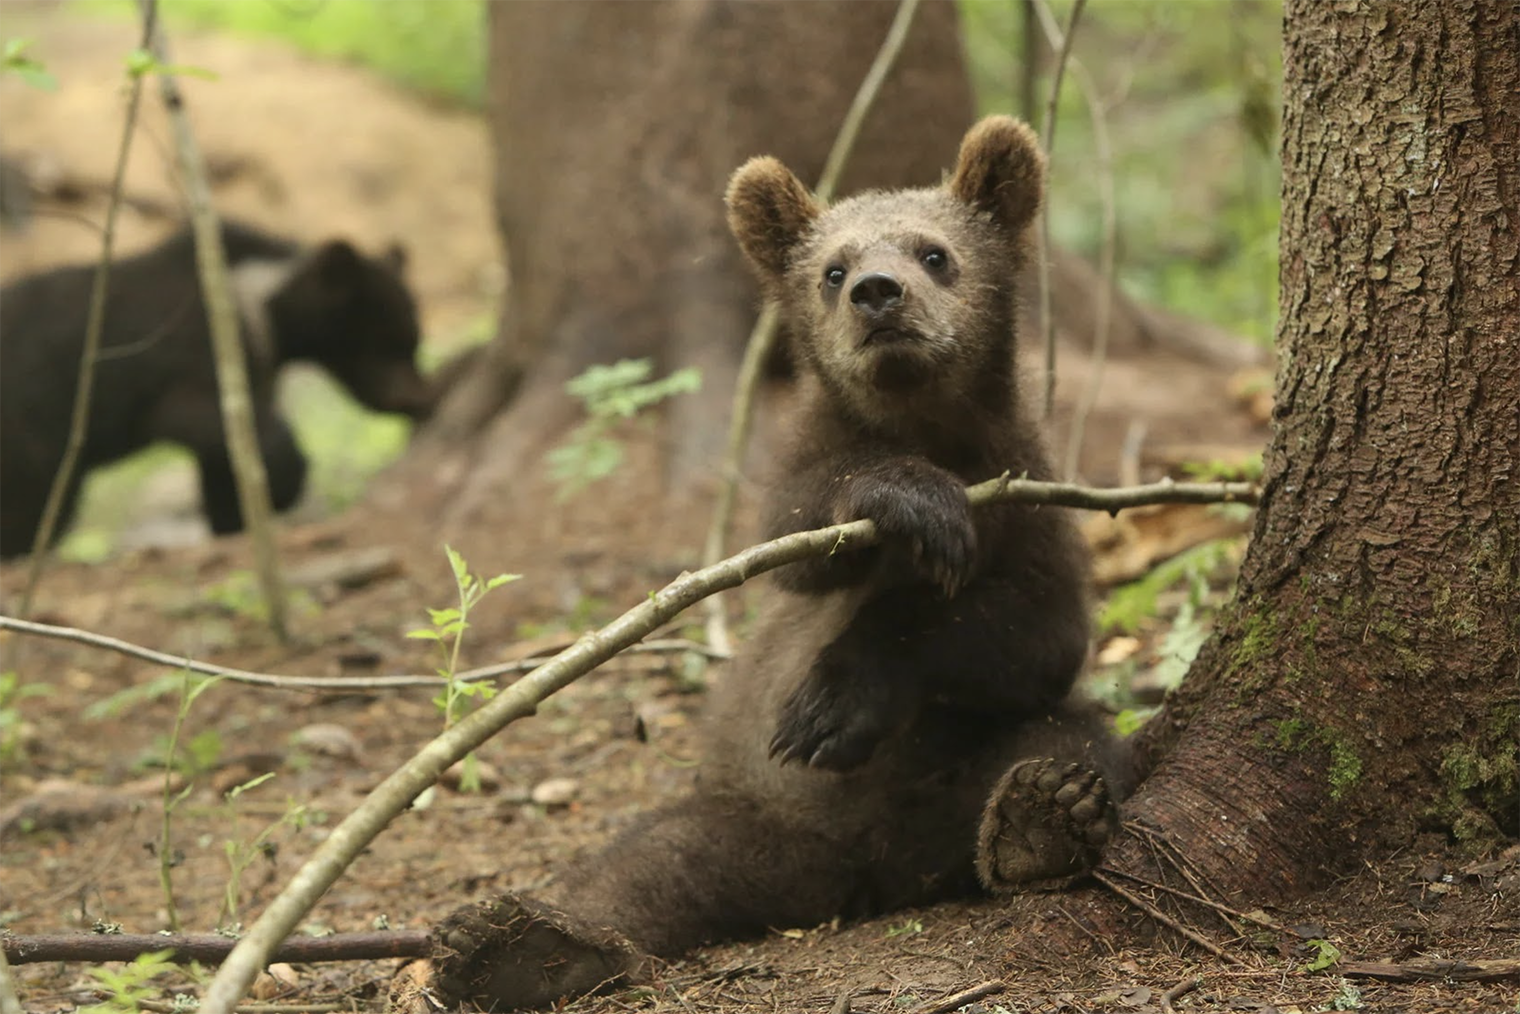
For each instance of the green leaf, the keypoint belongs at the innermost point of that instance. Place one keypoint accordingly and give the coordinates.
(1326, 955)
(501, 579)
(442, 616)
(456, 563)
(252, 783)
(423, 634)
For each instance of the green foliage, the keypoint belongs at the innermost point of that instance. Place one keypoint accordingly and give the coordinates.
(434, 46)
(1130, 605)
(611, 394)
(12, 693)
(14, 59)
(1349, 998)
(1190, 91)
(1325, 955)
(141, 63)
(130, 697)
(242, 853)
(127, 987)
(446, 629)
(908, 928)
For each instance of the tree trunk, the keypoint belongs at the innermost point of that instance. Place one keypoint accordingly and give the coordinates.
(1361, 687)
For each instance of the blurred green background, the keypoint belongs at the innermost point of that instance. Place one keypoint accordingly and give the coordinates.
(1186, 93)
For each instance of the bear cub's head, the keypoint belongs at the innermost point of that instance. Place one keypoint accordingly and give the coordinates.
(902, 301)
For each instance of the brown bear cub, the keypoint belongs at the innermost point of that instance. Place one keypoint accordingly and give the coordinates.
(898, 726)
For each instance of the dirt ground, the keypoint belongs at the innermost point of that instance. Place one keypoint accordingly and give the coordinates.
(314, 149)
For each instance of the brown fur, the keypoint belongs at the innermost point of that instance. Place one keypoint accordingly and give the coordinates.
(887, 691)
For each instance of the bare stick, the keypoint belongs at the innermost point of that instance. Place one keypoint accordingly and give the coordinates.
(338, 683)
(1106, 267)
(79, 420)
(1430, 970)
(208, 947)
(1047, 141)
(955, 1001)
(758, 349)
(231, 372)
(1166, 920)
(522, 698)
(1177, 992)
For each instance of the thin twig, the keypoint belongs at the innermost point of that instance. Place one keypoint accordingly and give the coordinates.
(1223, 910)
(160, 1007)
(247, 462)
(1166, 920)
(522, 698)
(955, 1001)
(758, 348)
(1107, 268)
(79, 419)
(340, 683)
(1177, 992)
(208, 948)
(1047, 142)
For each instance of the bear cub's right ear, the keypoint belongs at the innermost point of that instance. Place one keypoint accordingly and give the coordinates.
(769, 211)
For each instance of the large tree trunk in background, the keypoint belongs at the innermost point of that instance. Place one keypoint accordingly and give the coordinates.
(615, 127)
(1363, 684)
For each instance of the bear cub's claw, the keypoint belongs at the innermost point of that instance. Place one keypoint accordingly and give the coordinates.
(1045, 825)
(923, 509)
(834, 720)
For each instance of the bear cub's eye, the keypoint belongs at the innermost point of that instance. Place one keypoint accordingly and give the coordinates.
(934, 258)
(833, 275)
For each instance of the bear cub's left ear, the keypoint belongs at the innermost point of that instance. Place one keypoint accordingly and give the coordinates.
(769, 211)
(1001, 170)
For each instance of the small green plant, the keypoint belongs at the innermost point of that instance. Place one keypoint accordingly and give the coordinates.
(908, 928)
(447, 630)
(191, 687)
(12, 693)
(611, 394)
(1349, 998)
(126, 988)
(16, 60)
(243, 853)
(1325, 955)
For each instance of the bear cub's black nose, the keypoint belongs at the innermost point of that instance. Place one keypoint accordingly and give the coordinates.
(876, 291)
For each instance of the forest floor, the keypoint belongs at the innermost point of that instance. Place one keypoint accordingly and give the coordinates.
(82, 779)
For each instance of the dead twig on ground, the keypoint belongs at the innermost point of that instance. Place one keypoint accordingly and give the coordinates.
(1430, 970)
(208, 947)
(955, 1001)
(758, 348)
(1166, 920)
(1177, 992)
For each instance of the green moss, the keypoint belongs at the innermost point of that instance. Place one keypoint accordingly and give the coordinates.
(1344, 768)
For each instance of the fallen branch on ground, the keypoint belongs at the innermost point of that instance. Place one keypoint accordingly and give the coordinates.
(208, 948)
(1429, 970)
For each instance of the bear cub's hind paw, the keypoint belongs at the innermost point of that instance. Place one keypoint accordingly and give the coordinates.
(512, 953)
(1045, 824)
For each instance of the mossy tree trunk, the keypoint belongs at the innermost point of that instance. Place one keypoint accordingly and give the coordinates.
(1363, 685)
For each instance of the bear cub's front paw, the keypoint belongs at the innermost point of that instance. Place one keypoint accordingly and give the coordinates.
(924, 509)
(835, 722)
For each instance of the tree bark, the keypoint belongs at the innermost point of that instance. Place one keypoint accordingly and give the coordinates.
(1362, 685)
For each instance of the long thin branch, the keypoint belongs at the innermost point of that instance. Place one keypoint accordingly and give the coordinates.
(522, 698)
(207, 947)
(232, 376)
(1048, 141)
(339, 683)
(1001, 488)
(80, 418)
(758, 348)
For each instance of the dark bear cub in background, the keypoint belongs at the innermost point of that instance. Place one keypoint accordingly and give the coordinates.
(155, 379)
(898, 727)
